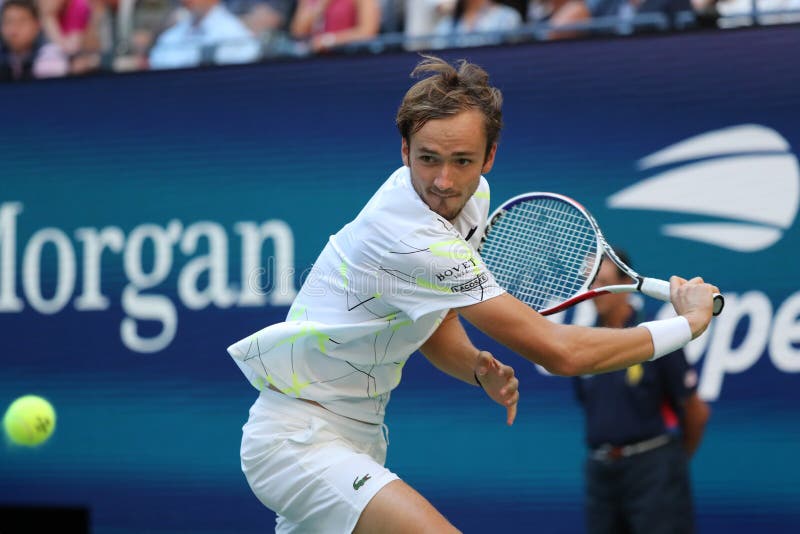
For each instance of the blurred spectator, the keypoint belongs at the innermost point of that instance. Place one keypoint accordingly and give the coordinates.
(24, 51)
(643, 424)
(269, 22)
(392, 14)
(99, 37)
(477, 23)
(558, 14)
(330, 23)
(65, 22)
(136, 23)
(263, 16)
(626, 10)
(520, 5)
(208, 33)
(421, 18)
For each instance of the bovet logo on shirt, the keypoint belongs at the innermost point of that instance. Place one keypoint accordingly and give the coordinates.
(459, 269)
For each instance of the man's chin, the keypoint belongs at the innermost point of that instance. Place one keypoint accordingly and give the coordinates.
(450, 215)
(445, 211)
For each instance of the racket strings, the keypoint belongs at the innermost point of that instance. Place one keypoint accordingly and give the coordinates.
(542, 251)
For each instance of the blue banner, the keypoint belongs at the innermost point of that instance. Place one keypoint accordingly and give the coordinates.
(147, 221)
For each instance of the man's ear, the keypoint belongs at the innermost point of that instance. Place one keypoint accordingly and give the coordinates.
(404, 153)
(487, 165)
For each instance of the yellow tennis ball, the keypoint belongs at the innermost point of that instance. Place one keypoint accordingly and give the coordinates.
(29, 420)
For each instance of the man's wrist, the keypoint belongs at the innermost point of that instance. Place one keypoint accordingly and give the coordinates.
(668, 335)
(696, 323)
(475, 368)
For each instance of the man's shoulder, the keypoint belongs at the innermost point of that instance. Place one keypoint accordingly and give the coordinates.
(395, 218)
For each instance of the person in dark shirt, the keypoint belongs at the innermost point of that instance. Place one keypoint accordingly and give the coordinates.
(642, 426)
(24, 51)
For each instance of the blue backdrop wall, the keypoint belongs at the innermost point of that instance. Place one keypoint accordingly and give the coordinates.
(131, 206)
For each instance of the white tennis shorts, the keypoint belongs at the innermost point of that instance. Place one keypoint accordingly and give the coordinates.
(317, 470)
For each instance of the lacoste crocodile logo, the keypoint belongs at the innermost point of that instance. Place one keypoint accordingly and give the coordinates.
(358, 483)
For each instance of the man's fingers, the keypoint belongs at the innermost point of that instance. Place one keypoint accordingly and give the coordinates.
(483, 363)
(511, 414)
(511, 386)
(507, 371)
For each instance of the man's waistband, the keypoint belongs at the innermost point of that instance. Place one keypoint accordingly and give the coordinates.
(607, 453)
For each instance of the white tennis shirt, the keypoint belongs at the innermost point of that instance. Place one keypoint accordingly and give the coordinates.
(376, 293)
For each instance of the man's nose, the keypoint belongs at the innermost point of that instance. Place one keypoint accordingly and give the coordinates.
(444, 180)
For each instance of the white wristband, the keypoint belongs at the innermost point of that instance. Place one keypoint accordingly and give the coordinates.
(668, 335)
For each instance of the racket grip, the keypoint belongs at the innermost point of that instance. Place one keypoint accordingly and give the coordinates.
(659, 289)
(653, 287)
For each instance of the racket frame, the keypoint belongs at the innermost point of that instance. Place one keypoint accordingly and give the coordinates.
(653, 287)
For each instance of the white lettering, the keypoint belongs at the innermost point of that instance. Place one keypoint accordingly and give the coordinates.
(785, 337)
(9, 301)
(215, 263)
(94, 243)
(722, 357)
(149, 307)
(253, 292)
(65, 270)
(147, 261)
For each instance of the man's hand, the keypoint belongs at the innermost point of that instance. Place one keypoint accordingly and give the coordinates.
(694, 300)
(499, 382)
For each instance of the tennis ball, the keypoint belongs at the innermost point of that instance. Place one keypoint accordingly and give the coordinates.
(29, 420)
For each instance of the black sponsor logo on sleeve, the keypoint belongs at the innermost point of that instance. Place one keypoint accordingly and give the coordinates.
(478, 281)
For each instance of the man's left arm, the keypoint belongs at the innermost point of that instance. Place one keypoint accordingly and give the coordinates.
(450, 350)
(681, 383)
(695, 417)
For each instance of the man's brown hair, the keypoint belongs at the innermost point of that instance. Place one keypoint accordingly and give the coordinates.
(448, 91)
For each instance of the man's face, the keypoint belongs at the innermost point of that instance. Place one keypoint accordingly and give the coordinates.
(19, 29)
(446, 158)
(609, 275)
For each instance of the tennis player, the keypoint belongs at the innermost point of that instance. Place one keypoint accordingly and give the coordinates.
(393, 280)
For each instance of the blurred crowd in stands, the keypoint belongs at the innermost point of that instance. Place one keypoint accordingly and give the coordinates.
(51, 38)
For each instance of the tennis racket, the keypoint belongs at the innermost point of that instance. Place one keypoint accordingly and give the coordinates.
(545, 249)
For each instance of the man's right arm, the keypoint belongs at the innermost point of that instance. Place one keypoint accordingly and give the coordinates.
(570, 350)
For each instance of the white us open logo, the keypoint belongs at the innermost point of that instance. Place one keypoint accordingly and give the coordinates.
(746, 174)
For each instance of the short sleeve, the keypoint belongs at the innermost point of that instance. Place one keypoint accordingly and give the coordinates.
(434, 269)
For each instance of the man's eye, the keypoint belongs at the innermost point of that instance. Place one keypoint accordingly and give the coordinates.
(464, 161)
(426, 159)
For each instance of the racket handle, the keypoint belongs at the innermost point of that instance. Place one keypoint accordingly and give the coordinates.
(653, 287)
(659, 289)
(719, 303)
